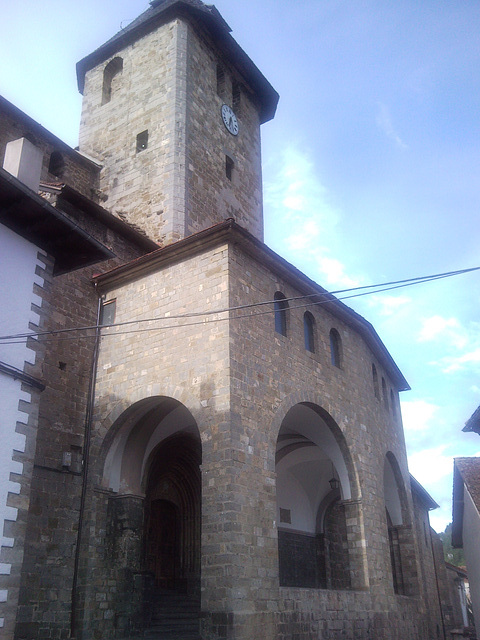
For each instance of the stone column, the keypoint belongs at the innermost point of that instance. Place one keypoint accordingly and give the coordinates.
(125, 531)
(357, 550)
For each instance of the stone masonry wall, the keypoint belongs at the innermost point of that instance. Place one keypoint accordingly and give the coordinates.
(271, 373)
(52, 522)
(145, 186)
(182, 359)
(177, 184)
(238, 379)
(212, 196)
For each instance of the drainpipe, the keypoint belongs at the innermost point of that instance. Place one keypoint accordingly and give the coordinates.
(437, 581)
(86, 456)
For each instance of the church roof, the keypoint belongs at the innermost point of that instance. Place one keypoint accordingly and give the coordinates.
(422, 494)
(209, 17)
(230, 231)
(33, 218)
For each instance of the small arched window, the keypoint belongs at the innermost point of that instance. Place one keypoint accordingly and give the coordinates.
(335, 348)
(308, 331)
(280, 306)
(56, 166)
(384, 393)
(392, 404)
(229, 165)
(113, 68)
(376, 388)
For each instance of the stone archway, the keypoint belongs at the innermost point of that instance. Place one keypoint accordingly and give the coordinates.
(151, 472)
(400, 530)
(317, 503)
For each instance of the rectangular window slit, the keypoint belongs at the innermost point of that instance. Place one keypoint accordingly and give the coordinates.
(229, 167)
(285, 516)
(142, 141)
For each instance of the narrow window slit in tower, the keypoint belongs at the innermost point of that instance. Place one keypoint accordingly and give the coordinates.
(142, 141)
(236, 98)
(56, 166)
(229, 167)
(220, 81)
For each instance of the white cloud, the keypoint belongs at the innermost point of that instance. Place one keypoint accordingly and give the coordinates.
(430, 466)
(462, 342)
(302, 211)
(384, 123)
(387, 304)
(446, 329)
(418, 415)
(334, 273)
(303, 239)
(467, 361)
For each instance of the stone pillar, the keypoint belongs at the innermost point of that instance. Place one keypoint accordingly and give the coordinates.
(239, 549)
(357, 550)
(125, 532)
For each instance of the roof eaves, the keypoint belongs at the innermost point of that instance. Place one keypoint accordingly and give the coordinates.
(33, 218)
(423, 494)
(108, 219)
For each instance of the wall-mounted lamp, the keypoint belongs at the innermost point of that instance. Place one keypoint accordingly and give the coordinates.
(67, 459)
(333, 482)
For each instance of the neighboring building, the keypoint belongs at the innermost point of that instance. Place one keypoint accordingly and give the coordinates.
(39, 243)
(457, 579)
(466, 521)
(36, 241)
(235, 436)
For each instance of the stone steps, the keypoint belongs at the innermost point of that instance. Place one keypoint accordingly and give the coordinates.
(175, 616)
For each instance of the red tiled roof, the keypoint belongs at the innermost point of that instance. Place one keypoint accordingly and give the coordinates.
(469, 469)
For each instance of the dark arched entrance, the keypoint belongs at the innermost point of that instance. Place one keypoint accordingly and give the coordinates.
(172, 514)
(151, 479)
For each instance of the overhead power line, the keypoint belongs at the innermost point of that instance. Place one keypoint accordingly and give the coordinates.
(321, 298)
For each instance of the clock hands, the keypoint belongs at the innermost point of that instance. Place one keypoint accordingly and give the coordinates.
(229, 120)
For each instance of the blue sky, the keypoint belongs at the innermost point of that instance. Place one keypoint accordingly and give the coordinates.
(370, 168)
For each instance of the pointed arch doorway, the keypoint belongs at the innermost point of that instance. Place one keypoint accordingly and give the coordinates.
(172, 515)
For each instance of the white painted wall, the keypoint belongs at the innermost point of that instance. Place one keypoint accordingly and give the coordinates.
(471, 548)
(18, 261)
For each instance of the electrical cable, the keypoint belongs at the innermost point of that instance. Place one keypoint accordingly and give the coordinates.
(326, 297)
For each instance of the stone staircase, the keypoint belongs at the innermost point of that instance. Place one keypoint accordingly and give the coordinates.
(175, 616)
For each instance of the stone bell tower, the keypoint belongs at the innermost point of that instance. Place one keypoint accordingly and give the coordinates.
(172, 110)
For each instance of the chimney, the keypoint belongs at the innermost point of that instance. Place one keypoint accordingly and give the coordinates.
(24, 161)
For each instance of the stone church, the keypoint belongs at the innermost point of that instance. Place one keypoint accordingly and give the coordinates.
(217, 438)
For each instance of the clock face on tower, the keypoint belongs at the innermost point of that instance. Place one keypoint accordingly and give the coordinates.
(229, 120)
